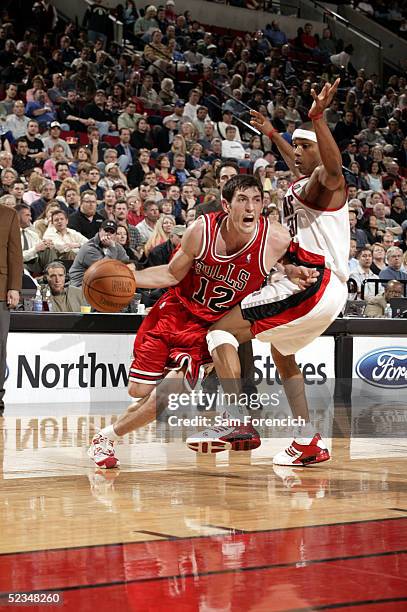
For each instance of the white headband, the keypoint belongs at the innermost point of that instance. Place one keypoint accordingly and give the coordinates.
(305, 134)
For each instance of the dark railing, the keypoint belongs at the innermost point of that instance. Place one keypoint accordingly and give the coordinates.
(377, 282)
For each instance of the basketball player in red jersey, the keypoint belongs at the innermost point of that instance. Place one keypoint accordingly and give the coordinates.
(222, 258)
(289, 318)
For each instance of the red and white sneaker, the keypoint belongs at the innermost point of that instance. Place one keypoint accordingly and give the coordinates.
(101, 451)
(303, 454)
(222, 438)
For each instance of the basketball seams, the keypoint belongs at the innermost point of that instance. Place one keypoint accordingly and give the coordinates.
(99, 285)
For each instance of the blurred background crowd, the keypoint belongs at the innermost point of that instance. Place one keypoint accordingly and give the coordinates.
(111, 149)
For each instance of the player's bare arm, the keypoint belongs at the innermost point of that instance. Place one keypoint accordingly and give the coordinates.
(262, 124)
(327, 175)
(161, 277)
(277, 244)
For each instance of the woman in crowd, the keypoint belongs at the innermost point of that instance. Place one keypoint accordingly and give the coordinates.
(164, 177)
(377, 156)
(35, 185)
(83, 154)
(137, 172)
(374, 176)
(68, 183)
(161, 233)
(254, 149)
(195, 159)
(291, 113)
(123, 238)
(57, 155)
(166, 207)
(190, 134)
(259, 170)
(41, 224)
(372, 231)
(178, 146)
(379, 258)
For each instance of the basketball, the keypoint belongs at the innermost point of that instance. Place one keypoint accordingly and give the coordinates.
(108, 285)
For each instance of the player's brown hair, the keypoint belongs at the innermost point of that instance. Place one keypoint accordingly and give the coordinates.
(241, 182)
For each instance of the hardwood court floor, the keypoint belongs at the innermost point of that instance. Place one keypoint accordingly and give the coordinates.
(176, 531)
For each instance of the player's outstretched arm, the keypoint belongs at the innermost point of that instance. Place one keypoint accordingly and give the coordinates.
(161, 277)
(330, 173)
(264, 125)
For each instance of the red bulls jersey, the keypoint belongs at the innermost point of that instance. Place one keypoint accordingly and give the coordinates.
(216, 283)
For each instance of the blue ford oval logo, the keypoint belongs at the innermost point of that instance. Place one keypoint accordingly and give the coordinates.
(384, 367)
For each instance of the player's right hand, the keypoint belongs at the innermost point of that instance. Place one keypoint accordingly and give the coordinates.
(261, 123)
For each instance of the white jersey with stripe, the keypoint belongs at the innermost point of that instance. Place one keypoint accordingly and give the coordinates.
(319, 237)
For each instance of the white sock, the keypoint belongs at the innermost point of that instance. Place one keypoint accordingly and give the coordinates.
(303, 434)
(110, 433)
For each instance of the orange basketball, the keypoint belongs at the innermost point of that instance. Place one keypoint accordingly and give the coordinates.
(108, 285)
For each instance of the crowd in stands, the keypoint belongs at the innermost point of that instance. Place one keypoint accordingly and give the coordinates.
(112, 151)
(390, 14)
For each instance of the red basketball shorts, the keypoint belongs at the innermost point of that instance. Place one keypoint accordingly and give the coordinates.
(169, 338)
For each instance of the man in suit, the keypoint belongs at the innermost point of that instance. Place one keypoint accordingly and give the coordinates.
(127, 155)
(11, 274)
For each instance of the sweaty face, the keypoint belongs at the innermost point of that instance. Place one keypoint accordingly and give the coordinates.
(244, 210)
(306, 154)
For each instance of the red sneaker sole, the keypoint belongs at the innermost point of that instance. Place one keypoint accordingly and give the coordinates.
(109, 463)
(217, 446)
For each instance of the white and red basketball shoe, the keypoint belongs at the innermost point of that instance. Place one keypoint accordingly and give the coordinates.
(303, 454)
(101, 451)
(222, 438)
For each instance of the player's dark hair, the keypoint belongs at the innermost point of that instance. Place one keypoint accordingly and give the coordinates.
(240, 182)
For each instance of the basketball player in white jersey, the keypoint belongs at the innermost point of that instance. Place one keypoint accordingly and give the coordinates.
(287, 315)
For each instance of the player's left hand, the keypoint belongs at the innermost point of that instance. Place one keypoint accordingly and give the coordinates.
(301, 276)
(323, 99)
(13, 297)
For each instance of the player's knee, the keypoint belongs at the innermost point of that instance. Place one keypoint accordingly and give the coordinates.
(139, 389)
(217, 337)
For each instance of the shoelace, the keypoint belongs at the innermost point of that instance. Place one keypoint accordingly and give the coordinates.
(102, 450)
(103, 443)
(220, 428)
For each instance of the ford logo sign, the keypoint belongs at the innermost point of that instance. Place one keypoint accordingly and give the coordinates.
(384, 367)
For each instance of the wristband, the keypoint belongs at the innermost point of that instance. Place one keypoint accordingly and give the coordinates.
(273, 131)
(315, 117)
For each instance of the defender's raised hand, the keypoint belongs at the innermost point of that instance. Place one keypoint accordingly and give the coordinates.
(261, 123)
(323, 99)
